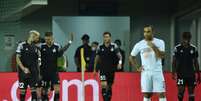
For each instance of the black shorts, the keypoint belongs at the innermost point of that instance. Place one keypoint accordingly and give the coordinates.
(107, 76)
(48, 81)
(186, 81)
(28, 80)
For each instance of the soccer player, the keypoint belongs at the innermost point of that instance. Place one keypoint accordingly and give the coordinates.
(106, 58)
(28, 56)
(50, 51)
(118, 42)
(87, 53)
(185, 66)
(152, 51)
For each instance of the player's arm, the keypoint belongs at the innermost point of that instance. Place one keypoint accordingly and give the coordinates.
(174, 67)
(159, 53)
(119, 55)
(196, 65)
(19, 63)
(18, 60)
(96, 61)
(133, 59)
(63, 49)
(134, 63)
(22, 67)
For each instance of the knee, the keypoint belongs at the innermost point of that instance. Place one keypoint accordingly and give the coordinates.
(162, 95)
(147, 95)
(56, 88)
(22, 91)
(104, 84)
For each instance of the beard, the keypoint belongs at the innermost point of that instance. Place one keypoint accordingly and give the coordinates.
(149, 38)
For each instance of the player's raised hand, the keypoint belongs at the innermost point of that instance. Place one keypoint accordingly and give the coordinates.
(72, 36)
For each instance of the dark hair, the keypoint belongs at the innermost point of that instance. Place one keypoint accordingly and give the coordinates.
(85, 37)
(186, 35)
(48, 34)
(42, 40)
(95, 42)
(107, 33)
(118, 42)
(147, 25)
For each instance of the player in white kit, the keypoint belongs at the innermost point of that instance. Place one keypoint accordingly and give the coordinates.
(152, 51)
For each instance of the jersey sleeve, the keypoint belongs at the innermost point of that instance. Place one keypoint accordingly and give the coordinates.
(174, 52)
(116, 49)
(135, 50)
(196, 53)
(98, 50)
(162, 46)
(19, 48)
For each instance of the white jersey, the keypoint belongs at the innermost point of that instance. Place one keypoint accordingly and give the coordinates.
(148, 58)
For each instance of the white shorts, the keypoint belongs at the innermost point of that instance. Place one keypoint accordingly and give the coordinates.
(152, 81)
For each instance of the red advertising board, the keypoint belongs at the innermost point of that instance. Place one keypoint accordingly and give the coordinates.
(126, 88)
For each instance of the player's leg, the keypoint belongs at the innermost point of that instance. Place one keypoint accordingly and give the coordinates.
(181, 88)
(191, 93)
(39, 90)
(45, 90)
(33, 85)
(39, 93)
(103, 85)
(33, 94)
(23, 87)
(56, 87)
(159, 85)
(110, 79)
(191, 86)
(146, 85)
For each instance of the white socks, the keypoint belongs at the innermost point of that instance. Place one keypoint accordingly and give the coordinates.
(146, 99)
(162, 99)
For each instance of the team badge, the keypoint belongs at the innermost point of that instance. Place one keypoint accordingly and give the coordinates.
(26, 49)
(112, 49)
(102, 49)
(191, 51)
(181, 51)
(54, 50)
(44, 49)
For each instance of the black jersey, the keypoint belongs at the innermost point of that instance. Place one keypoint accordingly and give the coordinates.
(108, 57)
(29, 56)
(49, 56)
(184, 59)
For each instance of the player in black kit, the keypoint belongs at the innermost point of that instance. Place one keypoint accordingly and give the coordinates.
(50, 51)
(106, 58)
(185, 66)
(28, 56)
